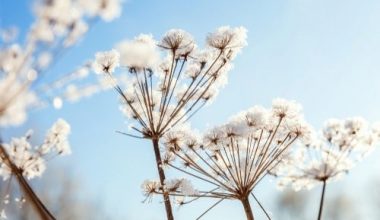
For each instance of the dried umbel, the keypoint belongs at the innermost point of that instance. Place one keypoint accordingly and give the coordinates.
(329, 155)
(236, 156)
(20, 159)
(30, 160)
(163, 92)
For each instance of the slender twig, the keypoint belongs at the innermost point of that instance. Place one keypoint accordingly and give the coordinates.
(168, 206)
(322, 200)
(261, 206)
(130, 135)
(209, 209)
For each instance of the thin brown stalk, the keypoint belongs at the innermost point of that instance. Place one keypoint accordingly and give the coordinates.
(247, 208)
(168, 206)
(31, 196)
(322, 200)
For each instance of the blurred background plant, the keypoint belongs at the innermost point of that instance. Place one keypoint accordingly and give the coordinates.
(66, 195)
(24, 84)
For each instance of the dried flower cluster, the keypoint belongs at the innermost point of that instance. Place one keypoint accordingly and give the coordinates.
(19, 157)
(234, 157)
(329, 155)
(164, 92)
(162, 85)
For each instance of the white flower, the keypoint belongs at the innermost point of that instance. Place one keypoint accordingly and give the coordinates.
(213, 138)
(106, 9)
(332, 129)
(139, 53)
(11, 59)
(173, 140)
(106, 62)
(109, 9)
(14, 102)
(41, 31)
(256, 117)
(149, 187)
(21, 154)
(187, 188)
(356, 125)
(178, 41)
(228, 38)
(56, 138)
(30, 160)
(327, 157)
(286, 109)
(79, 28)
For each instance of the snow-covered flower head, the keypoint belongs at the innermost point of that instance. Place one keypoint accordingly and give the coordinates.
(14, 102)
(178, 41)
(285, 109)
(140, 53)
(106, 62)
(329, 155)
(235, 156)
(183, 187)
(11, 58)
(106, 9)
(22, 160)
(228, 38)
(164, 91)
(31, 160)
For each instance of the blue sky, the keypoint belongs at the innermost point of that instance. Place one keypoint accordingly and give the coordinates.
(323, 54)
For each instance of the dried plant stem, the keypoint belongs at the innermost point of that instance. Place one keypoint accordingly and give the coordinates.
(322, 200)
(261, 206)
(168, 206)
(209, 209)
(41, 209)
(247, 208)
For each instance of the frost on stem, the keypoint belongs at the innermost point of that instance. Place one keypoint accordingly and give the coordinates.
(234, 157)
(329, 155)
(31, 160)
(58, 25)
(163, 91)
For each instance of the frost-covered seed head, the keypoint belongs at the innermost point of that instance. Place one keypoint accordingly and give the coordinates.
(106, 62)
